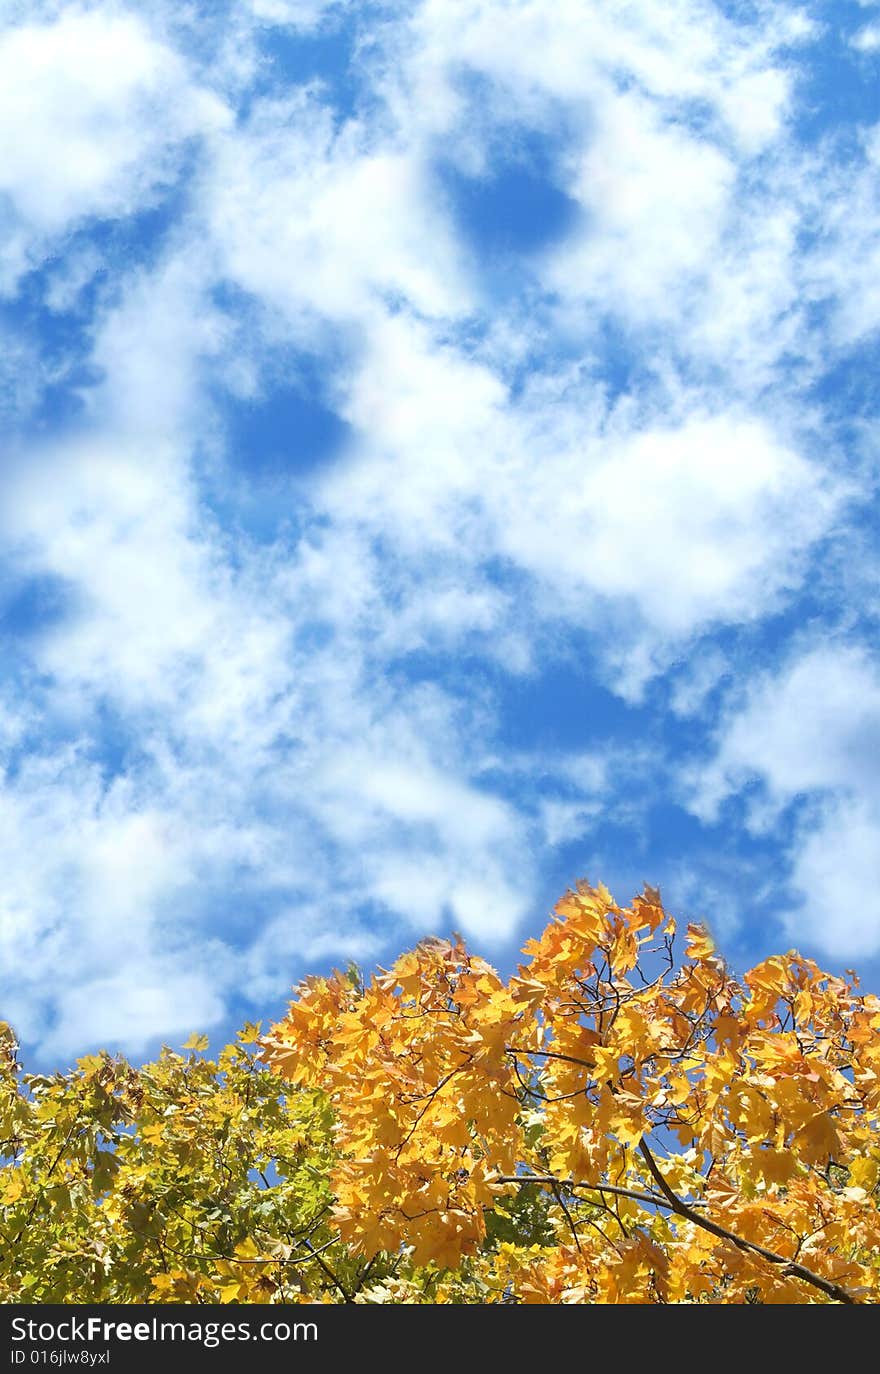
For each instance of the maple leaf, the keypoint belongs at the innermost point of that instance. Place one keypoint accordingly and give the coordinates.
(604, 1127)
(700, 944)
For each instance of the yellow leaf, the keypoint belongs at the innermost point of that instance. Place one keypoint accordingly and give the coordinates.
(196, 1041)
(628, 1130)
(12, 1186)
(818, 1141)
(863, 1173)
(700, 944)
(775, 1166)
(90, 1064)
(727, 1031)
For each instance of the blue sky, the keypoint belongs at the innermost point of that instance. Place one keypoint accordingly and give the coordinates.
(439, 462)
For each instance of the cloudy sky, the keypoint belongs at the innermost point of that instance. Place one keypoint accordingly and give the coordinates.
(439, 454)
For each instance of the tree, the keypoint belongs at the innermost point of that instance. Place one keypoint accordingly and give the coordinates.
(666, 1133)
(612, 1125)
(185, 1180)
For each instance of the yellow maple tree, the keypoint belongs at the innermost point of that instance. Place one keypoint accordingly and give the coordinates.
(692, 1137)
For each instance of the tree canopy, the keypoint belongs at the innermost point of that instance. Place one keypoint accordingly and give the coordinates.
(618, 1122)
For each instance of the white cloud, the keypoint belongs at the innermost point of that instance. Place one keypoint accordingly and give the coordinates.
(690, 523)
(267, 749)
(867, 39)
(93, 111)
(812, 730)
(815, 725)
(67, 279)
(297, 14)
(845, 269)
(434, 848)
(429, 442)
(697, 678)
(564, 821)
(674, 526)
(655, 200)
(325, 222)
(150, 348)
(252, 767)
(685, 52)
(836, 872)
(115, 529)
(23, 374)
(124, 1011)
(90, 906)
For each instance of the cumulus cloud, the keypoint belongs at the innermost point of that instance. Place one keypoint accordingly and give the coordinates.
(638, 170)
(298, 14)
(844, 271)
(94, 112)
(814, 725)
(322, 220)
(663, 528)
(267, 722)
(867, 39)
(126, 1008)
(811, 732)
(690, 523)
(835, 873)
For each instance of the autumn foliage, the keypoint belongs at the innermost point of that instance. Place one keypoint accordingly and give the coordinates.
(613, 1124)
(183, 1180)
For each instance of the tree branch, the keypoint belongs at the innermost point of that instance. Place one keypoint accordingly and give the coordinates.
(548, 1054)
(789, 1267)
(334, 1279)
(653, 1198)
(670, 1200)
